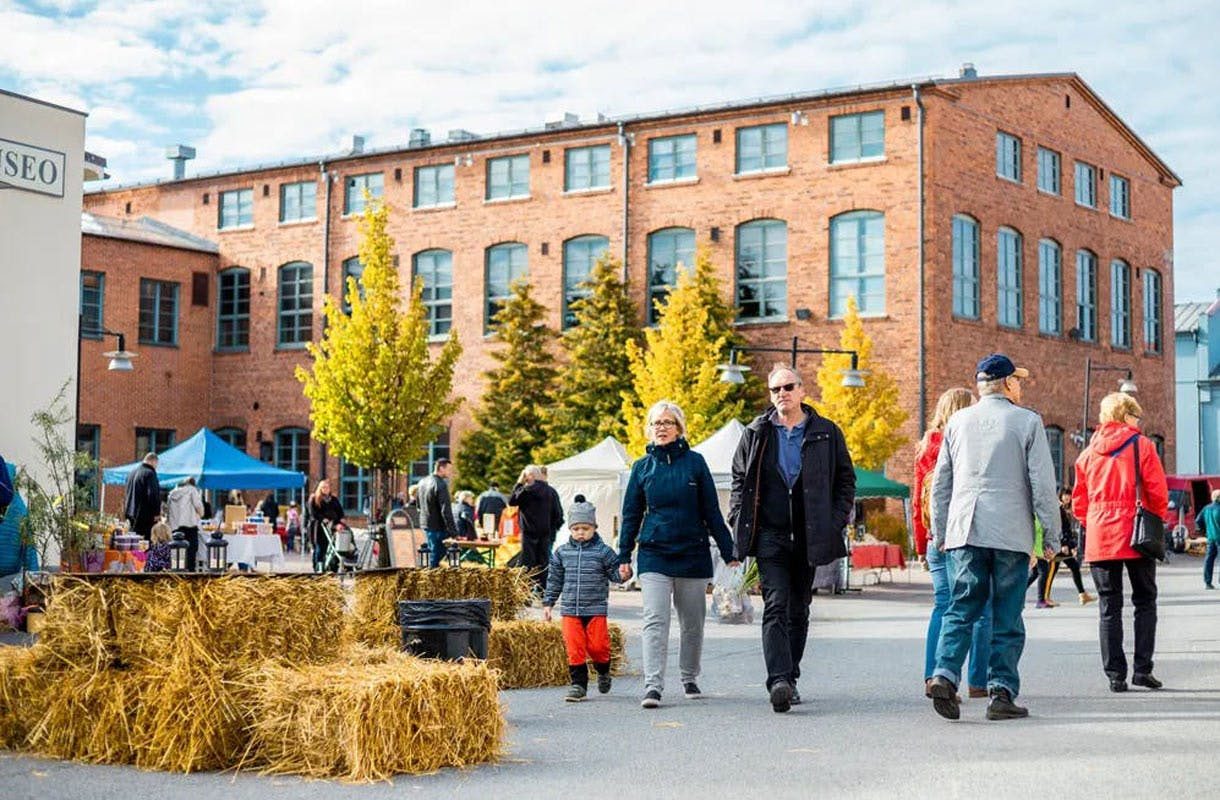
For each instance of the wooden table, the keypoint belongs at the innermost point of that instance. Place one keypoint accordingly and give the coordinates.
(480, 550)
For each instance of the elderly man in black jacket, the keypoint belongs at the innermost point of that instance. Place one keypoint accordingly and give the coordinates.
(793, 490)
(541, 518)
(143, 496)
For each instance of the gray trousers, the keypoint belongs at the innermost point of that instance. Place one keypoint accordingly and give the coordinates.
(689, 597)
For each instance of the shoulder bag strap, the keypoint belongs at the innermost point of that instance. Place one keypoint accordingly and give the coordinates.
(1139, 500)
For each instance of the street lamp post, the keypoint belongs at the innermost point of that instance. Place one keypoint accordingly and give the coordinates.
(120, 361)
(1126, 384)
(732, 372)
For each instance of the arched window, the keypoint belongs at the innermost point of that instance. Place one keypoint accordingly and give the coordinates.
(1009, 310)
(1120, 304)
(235, 437)
(667, 248)
(233, 309)
(1086, 295)
(438, 448)
(352, 268)
(1152, 310)
(762, 270)
(965, 267)
(504, 264)
(355, 487)
(295, 304)
(434, 270)
(579, 256)
(291, 452)
(857, 262)
(1050, 287)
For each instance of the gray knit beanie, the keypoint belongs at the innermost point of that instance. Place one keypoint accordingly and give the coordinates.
(582, 511)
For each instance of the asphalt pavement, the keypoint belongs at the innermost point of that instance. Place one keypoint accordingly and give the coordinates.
(864, 731)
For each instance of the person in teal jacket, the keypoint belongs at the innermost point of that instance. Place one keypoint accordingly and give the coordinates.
(670, 509)
(1208, 521)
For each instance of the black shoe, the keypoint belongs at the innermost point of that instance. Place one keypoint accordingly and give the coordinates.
(1118, 685)
(796, 696)
(691, 690)
(1002, 706)
(781, 696)
(1147, 681)
(575, 694)
(1208, 586)
(944, 698)
(652, 699)
(603, 682)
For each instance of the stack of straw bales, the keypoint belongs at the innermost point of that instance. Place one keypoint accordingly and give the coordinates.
(530, 653)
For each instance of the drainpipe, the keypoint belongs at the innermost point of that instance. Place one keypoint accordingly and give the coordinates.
(923, 357)
(325, 277)
(624, 139)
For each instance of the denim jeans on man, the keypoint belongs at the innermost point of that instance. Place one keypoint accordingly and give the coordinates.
(980, 639)
(436, 547)
(1209, 563)
(980, 574)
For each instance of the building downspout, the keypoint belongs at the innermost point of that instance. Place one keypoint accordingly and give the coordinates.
(325, 278)
(923, 357)
(624, 139)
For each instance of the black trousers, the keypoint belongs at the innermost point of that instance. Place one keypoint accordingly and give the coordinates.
(1039, 573)
(1108, 576)
(1073, 565)
(192, 545)
(535, 556)
(787, 589)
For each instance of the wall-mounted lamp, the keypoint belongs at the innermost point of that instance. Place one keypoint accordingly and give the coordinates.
(800, 118)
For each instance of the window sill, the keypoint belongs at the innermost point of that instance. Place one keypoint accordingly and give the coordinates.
(235, 228)
(754, 322)
(291, 346)
(230, 351)
(1049, 193)
(967, 320)
(1054, 337)
(857, 162)
(592, 190)
(91, 337)
(492, 201)
(1154, 354)
(170, 345)
(672, 182)
(874, 317)
(1006, 179)
(438, 338)
(286, 223)
(434, 207)
(762, 173)
(1083, 205)
(1119, 218)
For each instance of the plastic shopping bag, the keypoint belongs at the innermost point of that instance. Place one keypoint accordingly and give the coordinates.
(730, 603)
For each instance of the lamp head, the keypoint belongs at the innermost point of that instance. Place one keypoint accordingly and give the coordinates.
(732, 372)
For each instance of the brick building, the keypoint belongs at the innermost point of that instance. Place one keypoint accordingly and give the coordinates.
(1013, 213)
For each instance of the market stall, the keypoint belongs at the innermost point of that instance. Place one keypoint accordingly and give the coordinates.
(600, 474)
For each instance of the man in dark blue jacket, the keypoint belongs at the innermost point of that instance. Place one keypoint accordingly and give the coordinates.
(143, 496)
(793, 490)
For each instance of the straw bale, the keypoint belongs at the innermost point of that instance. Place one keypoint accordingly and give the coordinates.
(530, 653)
(375, 714)
(78, 630)
(89, 715)
(373, 620)
(21, 685)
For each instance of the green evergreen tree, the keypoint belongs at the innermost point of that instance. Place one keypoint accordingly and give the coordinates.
(509, 423)
(588, 403)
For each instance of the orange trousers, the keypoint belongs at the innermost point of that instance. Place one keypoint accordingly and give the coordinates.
(587, 639)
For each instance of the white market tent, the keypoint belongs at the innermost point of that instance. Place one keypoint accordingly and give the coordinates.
(600, 474)
(717, 450)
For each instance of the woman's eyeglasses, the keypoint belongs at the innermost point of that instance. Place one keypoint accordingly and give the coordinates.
(787, 387)
(664, 423)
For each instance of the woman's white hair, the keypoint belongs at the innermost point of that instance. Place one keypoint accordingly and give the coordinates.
(659, 408)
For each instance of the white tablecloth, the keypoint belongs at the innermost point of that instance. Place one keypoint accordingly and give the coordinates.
(245, 549)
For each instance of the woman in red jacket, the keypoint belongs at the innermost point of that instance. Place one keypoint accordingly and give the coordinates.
(1104, 502)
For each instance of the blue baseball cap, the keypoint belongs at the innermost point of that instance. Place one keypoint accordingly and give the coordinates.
(996, 366)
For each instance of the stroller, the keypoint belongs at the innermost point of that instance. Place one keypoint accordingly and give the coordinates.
(341, 549)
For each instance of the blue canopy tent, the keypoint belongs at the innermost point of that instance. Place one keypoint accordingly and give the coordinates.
(214, 464)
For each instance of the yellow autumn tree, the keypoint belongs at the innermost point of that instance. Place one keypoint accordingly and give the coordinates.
(377, 394)
(678, 362)
(870, 417)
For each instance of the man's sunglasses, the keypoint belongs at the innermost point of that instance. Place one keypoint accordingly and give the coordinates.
(786, 387)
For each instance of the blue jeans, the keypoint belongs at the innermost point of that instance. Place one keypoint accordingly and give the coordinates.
(436, 547)
(980, 639)
(1209, 562)
(979, 574)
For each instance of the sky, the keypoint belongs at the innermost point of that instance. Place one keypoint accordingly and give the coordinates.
(252, 81)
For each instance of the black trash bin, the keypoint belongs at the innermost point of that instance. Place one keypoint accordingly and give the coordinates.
(445, 629)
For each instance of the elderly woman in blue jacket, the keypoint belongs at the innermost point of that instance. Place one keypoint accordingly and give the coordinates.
(670, 509)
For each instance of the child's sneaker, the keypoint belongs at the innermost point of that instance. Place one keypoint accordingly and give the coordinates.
(576, 693)
(603, 682)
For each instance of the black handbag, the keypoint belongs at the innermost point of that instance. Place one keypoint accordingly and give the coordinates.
(1148, 530)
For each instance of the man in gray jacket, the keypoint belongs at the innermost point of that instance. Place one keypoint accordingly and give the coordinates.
(993, 476)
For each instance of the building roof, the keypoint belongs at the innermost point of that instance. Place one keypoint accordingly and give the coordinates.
(145, 230)
(737, 105)
(1186, 316)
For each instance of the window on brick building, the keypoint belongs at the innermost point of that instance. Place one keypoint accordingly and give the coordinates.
(1054, 438)
(233, 309)
(352, 268)
(434, 186)
(89, 442)
(1152, 310)
(438, 448)
(235, 437)
(354, 187)
(761, 148)
(1050, 287)
(1008, 156)
(154, 440)
(508, 177)
(1009, 305)
(295, 322)
(586, 168)
(504, 264)
(667, 249)
(965, 267)
(92, 295)
(291, 453)
(1086, 184)
(1159, 443)
(434, 270)
(671, 158)
(1120, 304)
(1120, 197)
(355, 487)
(1048, 171)
(857, 262)
(235, 209)
(579, 256)
(158, 312)
(857, 137)
(762, 270)
(1086, 295)
(298, 201)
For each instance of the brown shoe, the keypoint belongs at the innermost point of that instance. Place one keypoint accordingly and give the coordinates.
(976, 693)
(1086, 598)
(927, 688)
